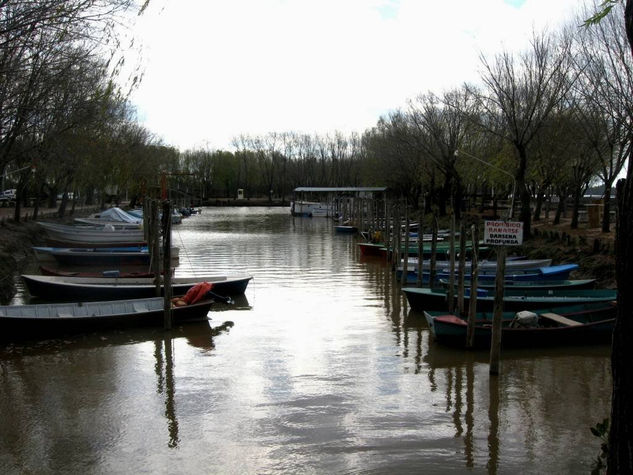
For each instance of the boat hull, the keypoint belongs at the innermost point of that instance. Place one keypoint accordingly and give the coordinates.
(89, 235)
(38, 321)
(560, 272)
(578, 284)
(115, 256)
(421, 299)
(596, 327)
(371, 249)
(106, 288)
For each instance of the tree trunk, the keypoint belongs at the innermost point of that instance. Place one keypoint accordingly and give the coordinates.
(606, 211)
(560, 209)
(575, 209)
(620, 459)
(539, 205)
(523, 191)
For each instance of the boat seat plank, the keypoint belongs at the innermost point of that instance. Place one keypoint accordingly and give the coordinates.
(560, 319)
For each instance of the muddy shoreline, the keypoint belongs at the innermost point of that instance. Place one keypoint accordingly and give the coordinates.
(16, 240)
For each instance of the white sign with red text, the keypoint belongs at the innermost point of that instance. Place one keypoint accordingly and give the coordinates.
(503, 233)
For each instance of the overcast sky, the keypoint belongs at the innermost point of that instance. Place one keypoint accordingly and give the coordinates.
(214, 69)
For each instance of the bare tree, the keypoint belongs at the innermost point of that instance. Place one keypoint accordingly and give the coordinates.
(603, 52)
(520, 94)
(445, 126)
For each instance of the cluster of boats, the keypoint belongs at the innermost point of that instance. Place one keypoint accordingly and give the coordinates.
(542, 305)
(101, 279)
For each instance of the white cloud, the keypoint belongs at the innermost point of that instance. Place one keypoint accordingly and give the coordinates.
(218, 68)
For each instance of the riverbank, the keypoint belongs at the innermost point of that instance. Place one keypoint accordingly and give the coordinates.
(17, 239)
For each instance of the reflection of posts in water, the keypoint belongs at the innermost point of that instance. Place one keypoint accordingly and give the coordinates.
(170, 403)
(469, 419)
(457, 413)
(493, 417)
(164, 369)
(460, 382)
(495, 339)
(158, 366)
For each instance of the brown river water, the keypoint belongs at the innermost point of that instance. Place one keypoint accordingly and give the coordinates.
(325, 370)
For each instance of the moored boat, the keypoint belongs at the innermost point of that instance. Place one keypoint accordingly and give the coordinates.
(421, 299)
(94, 236)
(559, 272)
(345, 229)
(53, 319)
(579, 284)
(130, 255)
(59, 287)
(511, 264)
(372, 249)
(581, 324)
(45, 270)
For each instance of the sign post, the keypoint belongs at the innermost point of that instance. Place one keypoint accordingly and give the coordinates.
(501, 234)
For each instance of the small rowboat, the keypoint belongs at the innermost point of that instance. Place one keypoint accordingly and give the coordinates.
(578, 284)
(131, 255)
(59, 287)
(583, 324)
(345, 229)
(560, 272)
(422, 299)
(94, 236)
(48, 320)
(512, 264)
(105, 273)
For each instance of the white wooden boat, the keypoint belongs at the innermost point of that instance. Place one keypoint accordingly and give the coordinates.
(91, 235)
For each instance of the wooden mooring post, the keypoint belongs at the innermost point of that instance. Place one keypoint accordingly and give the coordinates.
(420, 248)
(450, 293)
(405, 260)
(154, 244)
(495, 341)
(461, 269)
(432, 272)
(474, 282)
(167, 291)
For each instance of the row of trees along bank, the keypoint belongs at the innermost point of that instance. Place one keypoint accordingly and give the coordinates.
(554, 117)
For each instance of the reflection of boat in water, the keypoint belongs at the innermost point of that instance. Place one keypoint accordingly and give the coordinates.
(440, 356)
(238, 302)
(198, 334)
